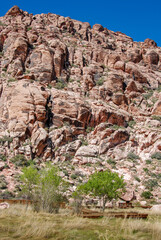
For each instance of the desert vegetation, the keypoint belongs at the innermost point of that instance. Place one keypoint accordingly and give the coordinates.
(17, 223)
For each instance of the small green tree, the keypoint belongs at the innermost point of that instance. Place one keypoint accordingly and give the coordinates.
(52, 187)
(30, 178)
(45, 187)
(105, 185)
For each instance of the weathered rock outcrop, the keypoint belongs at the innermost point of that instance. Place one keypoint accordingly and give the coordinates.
(84, 98)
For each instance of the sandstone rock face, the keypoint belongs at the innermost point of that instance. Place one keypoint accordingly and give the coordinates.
(86, 99)
(23, 107)
(14, 11)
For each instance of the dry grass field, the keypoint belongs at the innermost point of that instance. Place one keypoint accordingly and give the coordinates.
(19, 223)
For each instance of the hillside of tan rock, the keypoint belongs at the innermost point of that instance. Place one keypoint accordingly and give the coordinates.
(85, 98)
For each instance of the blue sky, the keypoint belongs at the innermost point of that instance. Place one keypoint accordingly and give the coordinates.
(138, 19)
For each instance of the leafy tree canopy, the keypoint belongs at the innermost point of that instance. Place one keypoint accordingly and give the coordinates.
(106, 185)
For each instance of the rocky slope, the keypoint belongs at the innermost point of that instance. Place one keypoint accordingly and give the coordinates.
(84, 98)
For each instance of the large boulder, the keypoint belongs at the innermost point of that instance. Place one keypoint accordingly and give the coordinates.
(151, 57)
(118, 137)
(156, 209)
(4, 205)
(87, 151)
(38, 140)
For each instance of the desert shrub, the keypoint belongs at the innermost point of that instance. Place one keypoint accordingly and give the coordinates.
(49, 86)
(3, 183)
(3, 157)
(148, 161)
(116, 127)
(131, 123)
(12, 80)
(20, 160)
(146, 170)
(132, 156)
(84, 142)
(6, 139)
(89, 129)
(137, 178)
(68, 156)
(159, 88)
(65, 172)
(151, 183)
(77, 204)
(5, 166)
(88, 164)
(60, 84)
(100, 82)
(148, 95)
(156, 155)
(29, 28)
(156, 117)
(112, 162)
(71, 80)
(7, 195)
(74, 176)
(146, 194)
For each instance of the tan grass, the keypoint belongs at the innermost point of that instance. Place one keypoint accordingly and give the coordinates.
(17, 223)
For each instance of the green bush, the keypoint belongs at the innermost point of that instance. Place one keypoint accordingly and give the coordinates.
(29, 28)
(60, 84)
(131, 123)
(66, 172)
(146, 170)
(100, 82)
(156, 117)
(6, 139)
(73, 176)
(7, 195)
(3, 157)
(89, 129)
(137, 178)
(84, 142)
(3, 183)
(148, 95)
(112, 162)
(146, 194)
(20, 160)
(12, 80)
(151, 183)
(132, 156)
(148, 161)
(156, 155)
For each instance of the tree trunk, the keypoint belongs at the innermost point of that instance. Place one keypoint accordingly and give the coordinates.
(103, 204)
